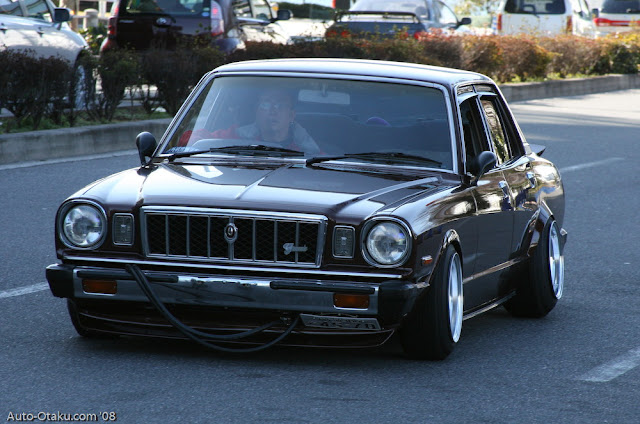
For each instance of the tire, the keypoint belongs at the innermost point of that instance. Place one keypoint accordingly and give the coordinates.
(538, 294)
(433, 327)
(82, 331)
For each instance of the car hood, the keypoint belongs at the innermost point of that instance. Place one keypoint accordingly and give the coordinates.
(325, 189)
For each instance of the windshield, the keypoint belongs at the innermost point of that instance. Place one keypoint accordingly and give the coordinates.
(418, 7)
(621, 6)
(175, 7)
(536, 7)
(310, 118)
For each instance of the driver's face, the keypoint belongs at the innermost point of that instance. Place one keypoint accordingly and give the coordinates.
(274, 115)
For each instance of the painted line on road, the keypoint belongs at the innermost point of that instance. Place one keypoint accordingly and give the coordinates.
(24, 290)
(69, 159)
(615, 368)
(589, 165)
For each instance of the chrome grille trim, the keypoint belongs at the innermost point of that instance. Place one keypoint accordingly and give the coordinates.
(178, 234)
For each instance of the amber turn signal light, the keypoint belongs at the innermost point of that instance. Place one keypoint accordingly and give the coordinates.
(354, 301)
(100, 286)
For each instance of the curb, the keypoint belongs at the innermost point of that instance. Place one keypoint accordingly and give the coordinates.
(81, 141)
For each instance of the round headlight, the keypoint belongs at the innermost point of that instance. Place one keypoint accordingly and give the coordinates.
(387, 243)
(83, 226)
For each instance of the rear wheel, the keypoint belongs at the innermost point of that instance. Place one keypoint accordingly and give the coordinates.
(434, 326)
(538, 294)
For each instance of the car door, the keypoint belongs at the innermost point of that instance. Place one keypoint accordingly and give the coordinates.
(15, 30)
(516, 167)
(494, 217)
(582, 19)
(49, 38)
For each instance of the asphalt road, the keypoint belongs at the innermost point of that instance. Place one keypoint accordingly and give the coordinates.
(580, 364)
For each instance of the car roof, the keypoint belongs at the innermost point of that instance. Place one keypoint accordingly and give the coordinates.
(357, 67)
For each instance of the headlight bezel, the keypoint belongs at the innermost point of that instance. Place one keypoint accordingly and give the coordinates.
(62, 215)
(373, 223)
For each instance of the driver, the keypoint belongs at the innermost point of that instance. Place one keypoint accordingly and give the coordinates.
(274, 123)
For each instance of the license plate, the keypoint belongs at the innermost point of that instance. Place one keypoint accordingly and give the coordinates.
(346, 323)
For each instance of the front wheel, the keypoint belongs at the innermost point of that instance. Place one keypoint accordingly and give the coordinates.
(538, 295)
(434, 326)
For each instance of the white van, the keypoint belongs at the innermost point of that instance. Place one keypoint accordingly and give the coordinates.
(543, 17)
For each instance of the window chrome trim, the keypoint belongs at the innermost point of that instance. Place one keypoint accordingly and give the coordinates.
(207, 79)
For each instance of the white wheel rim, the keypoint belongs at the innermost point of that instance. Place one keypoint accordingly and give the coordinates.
(556, 262)
(80, 87)
(455, 297)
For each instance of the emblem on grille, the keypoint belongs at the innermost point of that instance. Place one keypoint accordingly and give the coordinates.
(290, 247)
(230, 232)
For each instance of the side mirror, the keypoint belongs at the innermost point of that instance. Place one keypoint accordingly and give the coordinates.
(464, 21)
(480, 164)
(146, 144)
(61, 14)
(284, 15)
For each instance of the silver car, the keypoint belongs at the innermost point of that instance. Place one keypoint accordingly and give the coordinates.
(39, 27)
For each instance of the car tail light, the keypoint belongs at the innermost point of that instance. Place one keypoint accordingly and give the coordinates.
(419, 35)
(113, 21)
(112, 27)
(569, 28)
(499, 22)
(602, 22)
(217, 20)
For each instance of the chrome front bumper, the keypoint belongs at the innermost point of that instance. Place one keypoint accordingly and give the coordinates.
(389, 301)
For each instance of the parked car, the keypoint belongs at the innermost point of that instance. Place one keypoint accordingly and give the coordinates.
(37, 27)
(388, 19)
(226, 24)
(543, 17)
(319, 202)
(616, 16)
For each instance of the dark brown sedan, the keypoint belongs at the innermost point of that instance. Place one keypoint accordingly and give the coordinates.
(319, 202)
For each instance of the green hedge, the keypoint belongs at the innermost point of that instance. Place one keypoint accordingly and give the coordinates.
(32, 88)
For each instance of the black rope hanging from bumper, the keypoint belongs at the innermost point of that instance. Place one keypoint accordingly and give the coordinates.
(200, 337)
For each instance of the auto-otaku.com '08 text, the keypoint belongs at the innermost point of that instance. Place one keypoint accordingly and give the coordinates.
(61, 417)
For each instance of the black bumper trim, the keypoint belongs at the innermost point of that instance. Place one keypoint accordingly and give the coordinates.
(325, 287)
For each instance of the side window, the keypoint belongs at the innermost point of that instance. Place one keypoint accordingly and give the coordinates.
(501, 136)
(38, 9)
(475, 139)
(447, 16)
(242, 8)
(261, 10)
(10, 7)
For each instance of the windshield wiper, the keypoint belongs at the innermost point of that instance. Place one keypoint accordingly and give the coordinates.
(387, 157)
(237, 149)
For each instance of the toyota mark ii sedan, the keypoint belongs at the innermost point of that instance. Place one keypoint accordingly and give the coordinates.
(319, 202)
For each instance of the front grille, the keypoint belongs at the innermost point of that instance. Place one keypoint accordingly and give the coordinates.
(233, 236)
